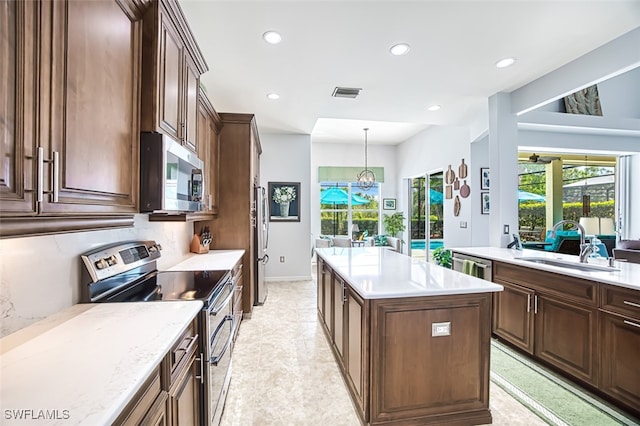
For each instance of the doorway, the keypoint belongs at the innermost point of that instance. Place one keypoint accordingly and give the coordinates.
(427, 213)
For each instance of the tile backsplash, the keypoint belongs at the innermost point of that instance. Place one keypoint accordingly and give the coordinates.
(41, 275)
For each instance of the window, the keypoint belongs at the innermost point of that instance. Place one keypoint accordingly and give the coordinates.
(345, 209)
(588, 189)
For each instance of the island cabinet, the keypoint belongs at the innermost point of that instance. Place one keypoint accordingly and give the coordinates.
(620, 348)
(172, 65)
(70, 157)
(397, 369)
(554, 317)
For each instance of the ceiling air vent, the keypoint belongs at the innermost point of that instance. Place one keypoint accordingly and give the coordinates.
(345, 92)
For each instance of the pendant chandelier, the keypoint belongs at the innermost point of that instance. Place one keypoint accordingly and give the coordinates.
(366, 178)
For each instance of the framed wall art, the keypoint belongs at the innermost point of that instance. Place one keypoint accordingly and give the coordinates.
(284, 201)
(388, 203)
(484, 178)
(485, 200)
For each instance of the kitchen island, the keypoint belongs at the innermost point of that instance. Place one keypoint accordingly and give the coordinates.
(412, 339)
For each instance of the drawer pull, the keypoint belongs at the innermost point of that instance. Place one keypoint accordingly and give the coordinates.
(635, 305)
(632, 323)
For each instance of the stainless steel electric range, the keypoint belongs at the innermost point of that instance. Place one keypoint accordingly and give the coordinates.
(127, 272)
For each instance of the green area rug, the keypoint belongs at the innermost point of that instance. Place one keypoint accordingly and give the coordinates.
(552, 398)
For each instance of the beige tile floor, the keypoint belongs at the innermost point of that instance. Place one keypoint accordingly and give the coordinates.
(284, 373)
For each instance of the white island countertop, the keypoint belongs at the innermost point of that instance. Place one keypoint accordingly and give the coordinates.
(84, 364)
(623, 274)
(215, 260)
(379, 273)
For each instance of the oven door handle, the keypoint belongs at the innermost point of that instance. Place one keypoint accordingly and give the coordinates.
(215, 359)
(216, 309)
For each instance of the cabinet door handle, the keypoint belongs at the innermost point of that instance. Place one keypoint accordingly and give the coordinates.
(635, 305)
(39, 188)
(632, 323)
(344, 293)
(535, 304)
(56, 176)
(201, 376)
(528, 303)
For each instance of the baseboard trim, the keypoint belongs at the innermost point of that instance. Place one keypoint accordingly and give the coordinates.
(272, 279)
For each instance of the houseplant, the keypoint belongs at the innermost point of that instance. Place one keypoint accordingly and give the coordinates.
(283, 195)
(442, 257)
(394, 224)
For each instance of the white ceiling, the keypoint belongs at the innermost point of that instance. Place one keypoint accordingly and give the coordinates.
(454, 46)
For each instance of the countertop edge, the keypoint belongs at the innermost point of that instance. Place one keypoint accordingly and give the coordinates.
(486, 287)
(606, 277)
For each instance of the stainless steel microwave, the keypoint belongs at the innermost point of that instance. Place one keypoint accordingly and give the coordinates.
(170, 176)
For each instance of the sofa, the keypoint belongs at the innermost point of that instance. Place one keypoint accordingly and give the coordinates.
(628, 250)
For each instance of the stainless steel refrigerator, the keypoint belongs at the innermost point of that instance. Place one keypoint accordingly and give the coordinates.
(261, 241)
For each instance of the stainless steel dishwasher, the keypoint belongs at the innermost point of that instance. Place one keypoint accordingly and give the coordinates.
(485, 266)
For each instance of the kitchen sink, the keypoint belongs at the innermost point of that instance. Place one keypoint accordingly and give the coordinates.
(586, 267)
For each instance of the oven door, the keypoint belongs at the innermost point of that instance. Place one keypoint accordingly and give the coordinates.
(220, 321)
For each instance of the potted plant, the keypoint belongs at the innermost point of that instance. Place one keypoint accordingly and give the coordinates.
(394, 224)
(442, 257)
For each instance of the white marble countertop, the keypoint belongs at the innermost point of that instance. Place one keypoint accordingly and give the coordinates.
(378, 273)
(215, 260)
(625, 274)
(84, 364)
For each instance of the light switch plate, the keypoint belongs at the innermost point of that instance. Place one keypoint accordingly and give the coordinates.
(440, 329)
(506, 229)
(463, 224)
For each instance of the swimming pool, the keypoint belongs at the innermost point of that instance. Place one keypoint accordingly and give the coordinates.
(419, 244)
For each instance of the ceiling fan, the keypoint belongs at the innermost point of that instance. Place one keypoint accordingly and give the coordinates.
(536, 159)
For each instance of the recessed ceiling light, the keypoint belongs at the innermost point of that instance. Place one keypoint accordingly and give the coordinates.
(272, 37)
(273, 96)
(399, 49)
(506, 62)
(434, 108)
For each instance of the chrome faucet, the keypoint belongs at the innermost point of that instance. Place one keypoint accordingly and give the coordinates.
(585, 249)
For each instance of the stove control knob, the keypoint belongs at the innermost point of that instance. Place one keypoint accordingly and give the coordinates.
(112, 260)
(101, 264)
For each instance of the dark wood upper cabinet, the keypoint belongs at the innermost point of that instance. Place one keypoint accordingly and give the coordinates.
(172, 66)
(18, 146)
(209, 126)
(72, 115)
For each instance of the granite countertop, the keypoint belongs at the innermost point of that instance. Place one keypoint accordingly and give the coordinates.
(85, 363)
(215, 260)
(378, 273)
(623, 274)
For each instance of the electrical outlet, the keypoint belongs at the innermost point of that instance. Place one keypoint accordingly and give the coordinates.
(505, 229)
(281, 259)
(463, 224)
(440, 329)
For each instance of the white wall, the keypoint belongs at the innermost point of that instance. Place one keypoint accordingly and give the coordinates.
(479, 223)
(286, 158)
(351, 155)
(41, 275)
(432, 150)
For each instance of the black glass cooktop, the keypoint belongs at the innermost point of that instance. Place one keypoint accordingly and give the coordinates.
(173, 285)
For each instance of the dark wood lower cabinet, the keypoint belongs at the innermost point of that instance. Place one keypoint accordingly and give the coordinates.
(437, 379)
(587, 330)
(566, 337)
(396, 372)
(513, 315)
(620, 372)
(185, 396)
